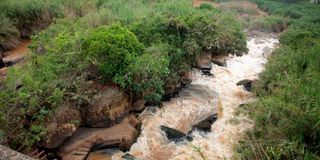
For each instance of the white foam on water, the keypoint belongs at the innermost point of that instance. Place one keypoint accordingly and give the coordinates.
(182, 113)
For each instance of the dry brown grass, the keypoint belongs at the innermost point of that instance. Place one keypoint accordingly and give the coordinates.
(243, 7)
(197, 3)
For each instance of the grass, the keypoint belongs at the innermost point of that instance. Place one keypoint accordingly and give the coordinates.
(287, 112)
(253, 18)
(9, 35)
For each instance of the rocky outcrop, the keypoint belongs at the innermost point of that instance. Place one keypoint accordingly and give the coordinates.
(85, 139)
(9, 154)
(222, 63)
(109, 107)
(219, 60)
(61, 125)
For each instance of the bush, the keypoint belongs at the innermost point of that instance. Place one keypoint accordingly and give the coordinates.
(112, 49)
(146, 75)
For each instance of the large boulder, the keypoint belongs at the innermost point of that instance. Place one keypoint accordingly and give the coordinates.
(105, 154)
(205, 125)
(109, 107)
(204, 62)
(173, 134)
(84, 140)
(247, 83)
(61, 125)
(219, 60)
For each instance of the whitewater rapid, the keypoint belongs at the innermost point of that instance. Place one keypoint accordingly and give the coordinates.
(219, 94)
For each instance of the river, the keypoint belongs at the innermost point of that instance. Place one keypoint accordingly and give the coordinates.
(206, 96)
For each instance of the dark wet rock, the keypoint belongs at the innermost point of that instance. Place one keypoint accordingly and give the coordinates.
(207, 72)
(173, 134)
(61, 125)
(105, 154)
(2, 64)
(128, 156)
(247, 83)
(222, 63)
(205, 66)
(109, 107)
(120, 136)
(205, 125)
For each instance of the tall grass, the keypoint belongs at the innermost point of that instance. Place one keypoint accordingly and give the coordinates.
(287, 113)
(9, 35)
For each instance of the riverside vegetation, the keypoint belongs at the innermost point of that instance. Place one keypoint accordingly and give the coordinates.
(143, 47)
(287, 113)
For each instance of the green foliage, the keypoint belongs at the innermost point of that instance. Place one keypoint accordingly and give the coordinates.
(147, 74)
(270, 24)
(8, 34)
(207, 6)
(112, 49)
(287, 113)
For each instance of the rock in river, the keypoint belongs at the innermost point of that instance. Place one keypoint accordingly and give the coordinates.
(205, 125)
(173, 134)
(247, 83)
(85, 139)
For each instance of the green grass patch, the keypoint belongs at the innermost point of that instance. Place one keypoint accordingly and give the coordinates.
(287, 113)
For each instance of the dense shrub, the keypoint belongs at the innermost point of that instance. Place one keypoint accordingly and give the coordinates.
(145, 77)
(112, 49)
